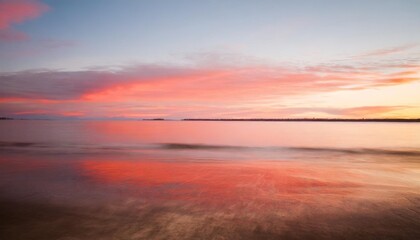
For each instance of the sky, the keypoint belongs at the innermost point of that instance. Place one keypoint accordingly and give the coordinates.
(124, 59)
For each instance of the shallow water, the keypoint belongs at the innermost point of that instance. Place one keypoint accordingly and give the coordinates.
(209, 180)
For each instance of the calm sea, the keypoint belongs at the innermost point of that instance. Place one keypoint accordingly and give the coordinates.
(209, 180)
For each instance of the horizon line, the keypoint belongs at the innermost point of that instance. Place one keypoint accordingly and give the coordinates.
(234, 119)
(308, 119)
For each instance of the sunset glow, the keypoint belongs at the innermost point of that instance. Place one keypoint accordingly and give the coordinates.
(209, 119)
(48, 73)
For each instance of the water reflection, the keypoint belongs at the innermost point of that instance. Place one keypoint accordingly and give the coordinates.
(225, 182)
(141, 185)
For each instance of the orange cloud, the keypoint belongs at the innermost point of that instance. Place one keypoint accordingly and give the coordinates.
(17, 11)
(396, 81)
(334, 112)
(368, 111)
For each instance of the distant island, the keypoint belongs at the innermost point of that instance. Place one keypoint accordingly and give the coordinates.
(307, 119)
(153, 119)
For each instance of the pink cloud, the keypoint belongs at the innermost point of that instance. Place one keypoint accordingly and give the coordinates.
(17, 11)
(164, 90)
(160, 82)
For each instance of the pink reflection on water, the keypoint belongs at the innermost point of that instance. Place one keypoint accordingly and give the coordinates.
(228, 183)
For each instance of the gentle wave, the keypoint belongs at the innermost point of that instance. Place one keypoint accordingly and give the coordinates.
(200, 146)
(360, 151)
(306, 149)
(4, 146)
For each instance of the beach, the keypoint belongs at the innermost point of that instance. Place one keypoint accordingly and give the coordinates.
(130, 186)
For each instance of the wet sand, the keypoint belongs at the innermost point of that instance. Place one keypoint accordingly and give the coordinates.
(110, 198)
(48, 221)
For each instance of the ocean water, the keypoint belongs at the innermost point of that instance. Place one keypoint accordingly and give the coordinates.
(209, 180)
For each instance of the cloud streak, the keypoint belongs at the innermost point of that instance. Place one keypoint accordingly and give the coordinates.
(388, 51)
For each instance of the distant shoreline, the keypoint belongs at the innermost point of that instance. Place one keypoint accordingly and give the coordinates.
(305, 119)
(408, 120)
